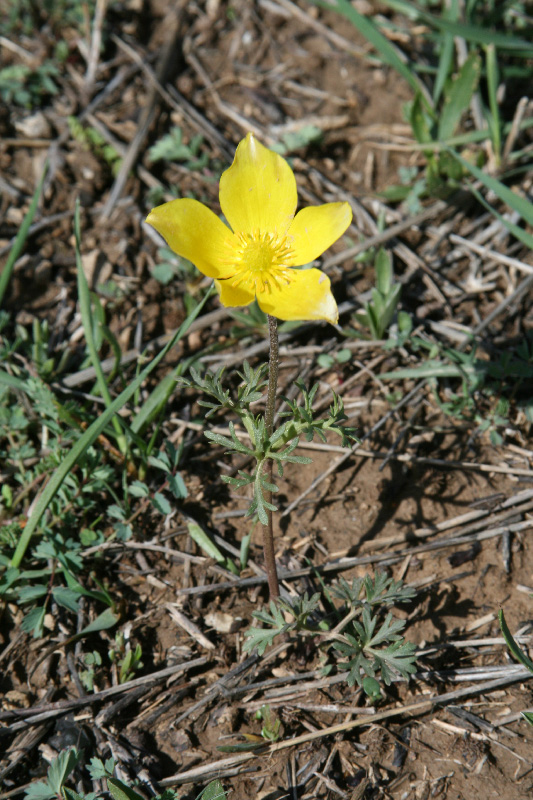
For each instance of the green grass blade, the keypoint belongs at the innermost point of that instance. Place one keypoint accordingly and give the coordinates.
(468, 138)
(447, 48)
(518, 232)
(90, 435)
(22, 235)
(470, 33)
(204, 541)
(84, 297)
(157, 399)
(514, 201)
(445, 66)
(429, 370)
(492, 90)
(512, 645)
(381, 44)
(155, 402)
(477, 35)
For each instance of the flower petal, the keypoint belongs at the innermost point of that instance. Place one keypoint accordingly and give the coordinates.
(308, 296)
(314, 229)
(258, 191)
(193, 231)
(231, 297)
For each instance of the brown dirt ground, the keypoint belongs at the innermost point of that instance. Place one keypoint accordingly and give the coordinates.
(244, 65)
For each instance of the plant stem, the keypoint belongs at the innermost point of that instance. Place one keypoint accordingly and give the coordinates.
(268, 530)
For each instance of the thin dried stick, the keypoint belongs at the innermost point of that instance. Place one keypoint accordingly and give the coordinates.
(96, 41)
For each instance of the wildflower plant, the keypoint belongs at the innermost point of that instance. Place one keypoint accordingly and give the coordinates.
(257, 257)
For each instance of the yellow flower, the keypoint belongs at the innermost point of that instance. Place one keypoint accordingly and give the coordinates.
(255, 258)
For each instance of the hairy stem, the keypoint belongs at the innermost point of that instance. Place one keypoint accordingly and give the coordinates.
(268, 530)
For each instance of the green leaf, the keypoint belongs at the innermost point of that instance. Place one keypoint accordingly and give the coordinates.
(61, 767)
(163, 273)
(493, 82)
(177, 486)
(169, 147)
(325, 361)
(458, 96)
(159, 463)
(138, 489)
(9, 578)
(372, 688)
(155, 402)
(28, 594)
(344, 355)
(66, 598)
(383, 267)
(204, 541)
(116, 512)
(213, 791)
(98, 770)
(260, 638)
(242, 747)
(33, 622)
(231, 444)
(70, 794)
(120, 791)
(107, 619)
(293, 140)
(39, 791)
(161, 503)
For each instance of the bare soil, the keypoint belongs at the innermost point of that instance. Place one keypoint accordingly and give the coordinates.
(272, 67)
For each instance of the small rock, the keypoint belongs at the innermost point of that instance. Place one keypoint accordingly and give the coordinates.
(34, 127)
(14, 698)
(223, 623)
(194, 340)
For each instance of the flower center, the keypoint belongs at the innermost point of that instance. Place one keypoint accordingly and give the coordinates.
(260, 262)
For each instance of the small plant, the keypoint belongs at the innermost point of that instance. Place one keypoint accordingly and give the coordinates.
(127, 660)
(359, 637)
(271, 724)
(92, 661)
(172, 148)
(22, 86)
(93, 141)
(327, 360)
(294, 140)
(379, 313)
(26, 16)
(486, 386)
(61, 770)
